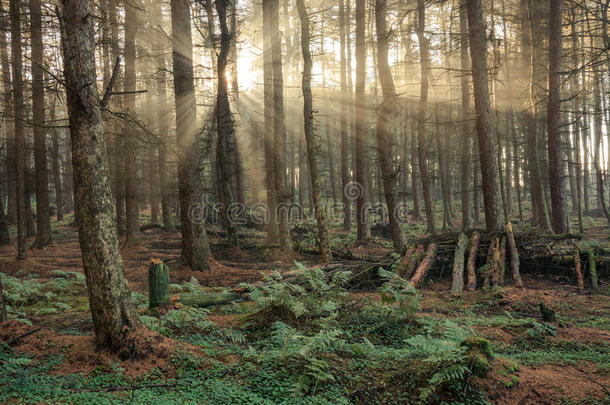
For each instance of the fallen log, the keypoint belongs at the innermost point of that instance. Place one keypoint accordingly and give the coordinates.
(514, 255)
(458, 266)
(154, 225)
(405, 260)
(472, 259)
(203, 299)
(415, 260)
(424, 266)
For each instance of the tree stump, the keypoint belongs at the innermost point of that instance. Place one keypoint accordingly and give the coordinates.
(472, 259)
(514, 255)
(579, 277)
(458, 266)
(158, 284)
(592, 268)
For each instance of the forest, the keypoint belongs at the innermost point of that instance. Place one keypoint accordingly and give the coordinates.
(305, 202)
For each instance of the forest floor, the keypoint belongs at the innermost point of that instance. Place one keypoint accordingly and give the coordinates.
(348, 347)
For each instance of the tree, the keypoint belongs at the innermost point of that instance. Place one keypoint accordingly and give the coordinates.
(466, 136)
(195, 247)
(424, 55)
(364, 232)
(347, 214)
(559, 205)
(384, 136)
(20, 153)
(272, 229)
(226, 132)
(132, 222)
(43, 217)
(112, 309)
(279, 130)
(485, 135)
(311, 140)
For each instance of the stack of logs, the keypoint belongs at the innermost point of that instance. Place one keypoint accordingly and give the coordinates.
(531, 252)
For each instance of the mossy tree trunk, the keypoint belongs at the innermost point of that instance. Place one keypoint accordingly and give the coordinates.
(112, 309)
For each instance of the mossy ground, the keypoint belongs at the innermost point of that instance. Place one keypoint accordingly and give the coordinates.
(374, 359)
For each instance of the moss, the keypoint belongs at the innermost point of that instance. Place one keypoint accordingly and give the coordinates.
(512, 382)
(480, 354)
(480, 365)
(480, 345)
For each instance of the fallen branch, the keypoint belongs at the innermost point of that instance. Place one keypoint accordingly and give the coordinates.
(16, 339)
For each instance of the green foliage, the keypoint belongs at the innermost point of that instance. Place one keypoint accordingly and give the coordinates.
(399, 294)
(318, 301)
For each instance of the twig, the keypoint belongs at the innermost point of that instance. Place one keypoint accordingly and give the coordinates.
(115, 73)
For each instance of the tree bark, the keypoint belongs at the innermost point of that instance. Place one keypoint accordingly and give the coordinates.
(226, 131)
(421, 119)
(466, 134)
(112, 309)
(195, 247)
(11, 176)
(457, 286)
(279, 131)
(272, 230)
(361, 184)
(130, 150)
(559, 205)
(472, 261)
(313, 144)
(43, 217)
(489, 165)
(345, 177)
(384, 134)
(20, 152)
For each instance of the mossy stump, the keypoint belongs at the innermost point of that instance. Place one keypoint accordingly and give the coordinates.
(480, 354)
(158, 284)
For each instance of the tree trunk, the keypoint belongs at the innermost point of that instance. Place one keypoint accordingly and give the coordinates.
(489, 165)
(559, 205)
(20, 152)
(313, 145)
(272, 231)
(163, 117)
(112, 309)
(466, 134)
(359, 189)
(195, 247)
(457, 286)
(130, 150)
(472, 261)
(528, 20)
(345, 177)
(279, 131)
(384, 134)
(43, 217)
(424, 266)
(226, 131)
(421, 120)
(11, 210)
